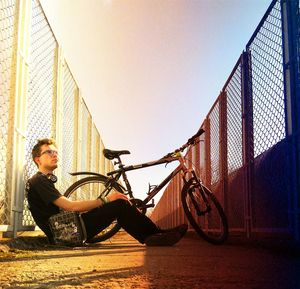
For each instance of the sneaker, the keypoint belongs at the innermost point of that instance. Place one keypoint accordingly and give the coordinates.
(163, 239)
(181, 229)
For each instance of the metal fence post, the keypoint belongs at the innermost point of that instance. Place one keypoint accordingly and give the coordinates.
(19, 135)
(291, 67)
(58, 105)
(207, 153)
(248, 141)
(223, 148)
(76, 132)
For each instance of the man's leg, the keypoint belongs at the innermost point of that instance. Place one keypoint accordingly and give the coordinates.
(132, 221)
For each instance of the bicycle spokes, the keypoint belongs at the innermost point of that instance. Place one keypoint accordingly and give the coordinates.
(199, 201)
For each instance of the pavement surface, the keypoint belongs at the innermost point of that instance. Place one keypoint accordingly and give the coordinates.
(28, 262)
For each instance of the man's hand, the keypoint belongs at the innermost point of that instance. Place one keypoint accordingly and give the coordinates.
(115, 195)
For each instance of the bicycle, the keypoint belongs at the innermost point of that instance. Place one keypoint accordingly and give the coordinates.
(200, 205)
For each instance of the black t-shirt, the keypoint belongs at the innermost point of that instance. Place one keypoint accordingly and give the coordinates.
(41, 193)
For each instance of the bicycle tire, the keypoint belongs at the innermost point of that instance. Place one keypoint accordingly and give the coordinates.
(78, 187)
(211, 224)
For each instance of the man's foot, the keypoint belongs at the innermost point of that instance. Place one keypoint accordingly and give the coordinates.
(167, 237)
(163, 239)
(181, 229)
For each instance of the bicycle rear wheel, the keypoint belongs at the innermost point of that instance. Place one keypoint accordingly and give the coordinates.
(204, 212)
(90, 188)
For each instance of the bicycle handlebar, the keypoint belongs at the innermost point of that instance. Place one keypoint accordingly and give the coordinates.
(192, 139)
(188, 143)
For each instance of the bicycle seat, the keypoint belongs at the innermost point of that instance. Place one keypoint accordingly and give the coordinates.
(110, 154)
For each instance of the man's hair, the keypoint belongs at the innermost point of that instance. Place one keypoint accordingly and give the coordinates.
(36, 151)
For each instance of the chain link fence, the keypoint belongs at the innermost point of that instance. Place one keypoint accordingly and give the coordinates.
(69, 117)
(253, 180)
(267, 83)
(8, 36)
(41, 104)
(270, 192)
(53, 108)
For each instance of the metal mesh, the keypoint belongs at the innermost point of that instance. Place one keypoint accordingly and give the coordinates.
(84, 162)
(267, 83)
(67, 158)
(41, 89)
(270, 180)
(95, 160)
(102, 158)
(89, 141)
(214, 144)
(235, 207)
(86, 191)
(95, 145)
(97, 152)
(234, 122)
(8, 13)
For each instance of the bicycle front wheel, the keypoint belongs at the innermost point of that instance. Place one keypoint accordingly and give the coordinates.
(90, 188)
(204, 212)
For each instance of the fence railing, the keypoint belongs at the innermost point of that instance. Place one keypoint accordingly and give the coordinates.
(39, 98)
(249, 155)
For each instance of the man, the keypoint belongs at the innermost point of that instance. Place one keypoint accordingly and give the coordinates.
(45, 200)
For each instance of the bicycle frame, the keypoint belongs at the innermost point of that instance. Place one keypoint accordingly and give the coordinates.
(116, 174)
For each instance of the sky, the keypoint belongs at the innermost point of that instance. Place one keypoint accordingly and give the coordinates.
(150, 70)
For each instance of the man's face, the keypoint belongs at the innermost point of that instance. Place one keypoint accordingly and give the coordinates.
(48, 157)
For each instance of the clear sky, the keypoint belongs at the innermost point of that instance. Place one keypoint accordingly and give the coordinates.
(150, 70)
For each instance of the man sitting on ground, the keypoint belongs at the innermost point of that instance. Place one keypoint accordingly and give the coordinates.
(45, 200)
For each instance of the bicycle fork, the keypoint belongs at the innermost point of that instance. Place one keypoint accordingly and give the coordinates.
(197, 198)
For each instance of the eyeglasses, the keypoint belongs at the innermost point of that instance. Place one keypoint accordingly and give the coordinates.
(50, 153)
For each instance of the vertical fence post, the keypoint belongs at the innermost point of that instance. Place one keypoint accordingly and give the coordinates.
(207, 154)
(291, 67)
(102, 159)
(223, 147)
(58, 104)
(248, 139)
(76, 133)
(19, 111)
(79, 132)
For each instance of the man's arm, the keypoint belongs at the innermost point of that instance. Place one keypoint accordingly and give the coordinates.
(86, 205)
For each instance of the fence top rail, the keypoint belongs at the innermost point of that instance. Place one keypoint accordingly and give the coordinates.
(213, 106)
(232, 72)
(261, 23)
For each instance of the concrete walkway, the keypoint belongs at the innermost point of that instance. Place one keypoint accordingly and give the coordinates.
(124, 263)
